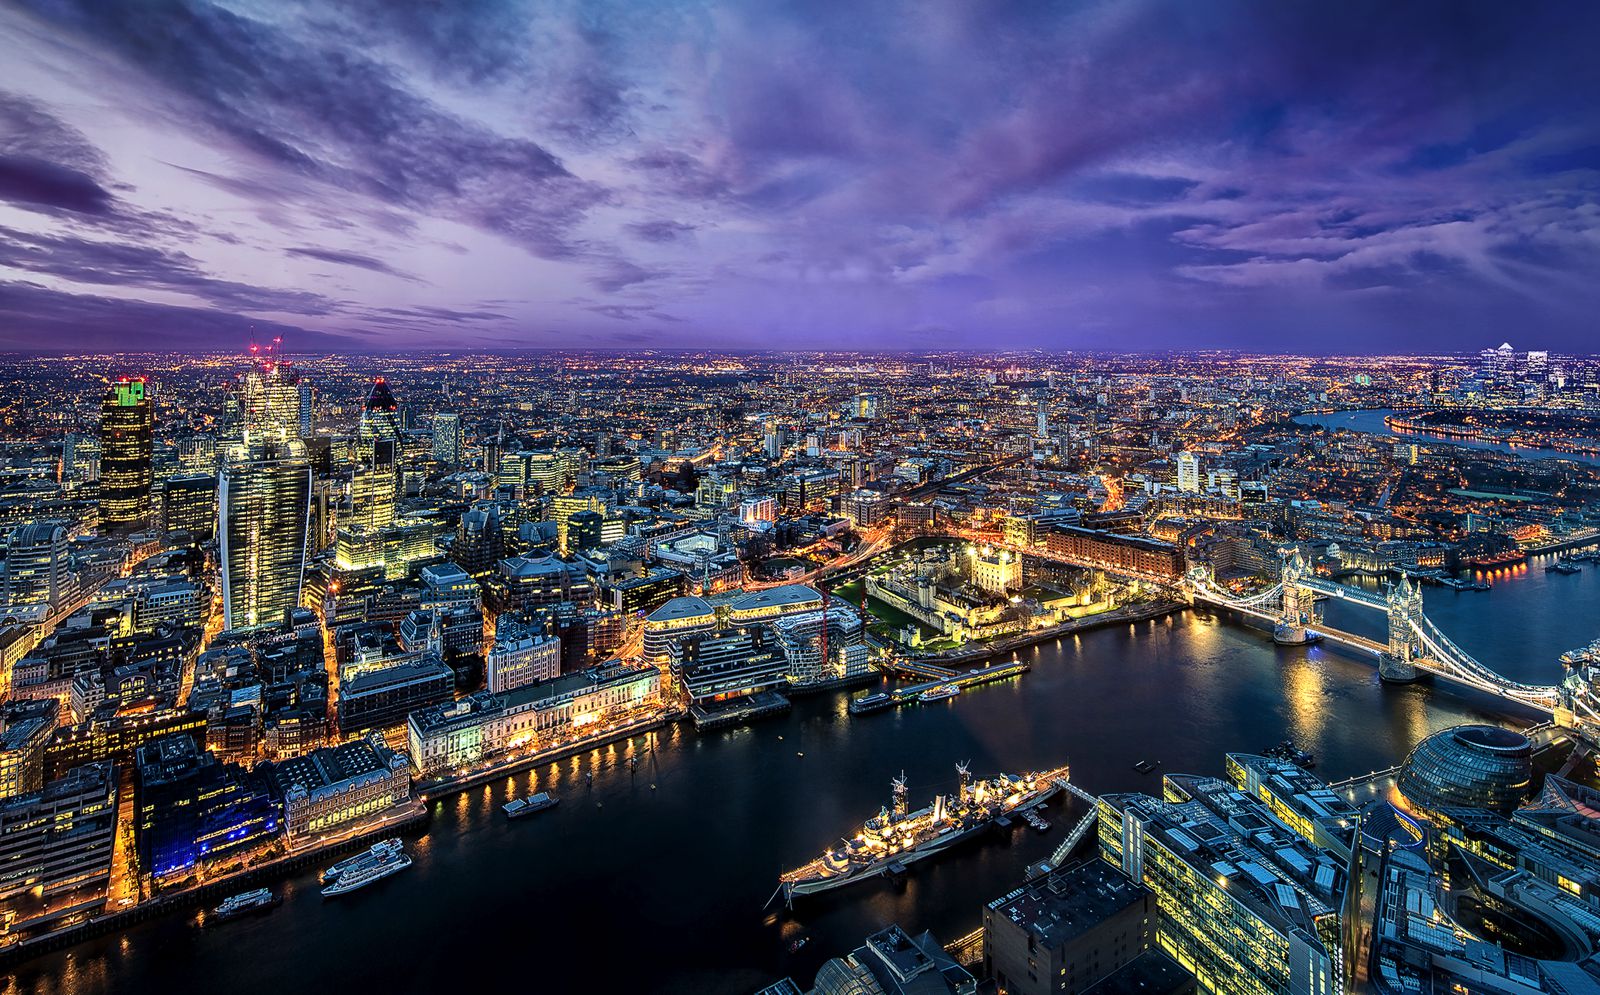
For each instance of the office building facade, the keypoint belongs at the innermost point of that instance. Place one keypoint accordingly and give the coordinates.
(263, 513)
(127, 441)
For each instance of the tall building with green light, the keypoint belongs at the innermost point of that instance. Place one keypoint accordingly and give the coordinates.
(127, 441)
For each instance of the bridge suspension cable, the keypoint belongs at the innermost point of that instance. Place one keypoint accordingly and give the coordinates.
(1444, 656)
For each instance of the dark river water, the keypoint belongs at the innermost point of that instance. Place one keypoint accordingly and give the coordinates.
(625, 888)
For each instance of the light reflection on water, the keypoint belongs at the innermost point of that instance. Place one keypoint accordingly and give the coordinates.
(684, 870)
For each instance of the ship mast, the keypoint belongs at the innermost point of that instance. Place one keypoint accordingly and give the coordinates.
(899, 786)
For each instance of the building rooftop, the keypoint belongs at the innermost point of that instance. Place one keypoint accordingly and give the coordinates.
(386, 677)
(1070, 901)
(777, 597)
(328, 765)
(23, 720)
(679, 609)
(1151, 973)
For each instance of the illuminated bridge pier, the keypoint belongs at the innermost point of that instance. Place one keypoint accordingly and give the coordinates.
(1415, 646)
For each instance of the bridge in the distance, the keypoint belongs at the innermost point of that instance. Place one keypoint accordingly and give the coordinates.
(1416, 644)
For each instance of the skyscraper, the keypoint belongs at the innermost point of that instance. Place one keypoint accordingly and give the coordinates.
(127, 440)
(272, 403)
(263, 510)
(380, 419)
(447, 437)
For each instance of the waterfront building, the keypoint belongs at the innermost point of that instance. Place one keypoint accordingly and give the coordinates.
(263, 512)
(189, 504)
(1417, 947)
(486, 725)
(333, 786)
(25, 729)
(1067, 930)
(190, 807)
(1469, 766)
(37, 567)
(382, 698)
(56, 846)
(1115, 553)
(729, 662)
(127, 440)
(447, 438)
(1301, 800)
(674, 620)
(1246, 905)
(813, 659)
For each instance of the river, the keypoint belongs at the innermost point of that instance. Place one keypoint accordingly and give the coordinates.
(629, 888)
(1372, 421)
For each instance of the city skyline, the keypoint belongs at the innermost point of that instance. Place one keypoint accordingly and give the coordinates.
(1185, 673)
(683, 176)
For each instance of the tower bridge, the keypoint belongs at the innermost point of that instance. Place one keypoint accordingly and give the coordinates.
(1416, 644)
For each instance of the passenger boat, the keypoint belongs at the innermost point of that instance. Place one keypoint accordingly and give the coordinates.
(939, 693)
(370, 868)
(260, 900)
(896, 837)
(377, 851)
(869, 703)
(519, 807)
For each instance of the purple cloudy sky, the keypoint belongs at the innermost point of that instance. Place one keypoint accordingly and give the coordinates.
(377, 174)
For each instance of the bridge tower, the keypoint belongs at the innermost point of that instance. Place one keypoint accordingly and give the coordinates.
(1299, 605)
(1398, 664)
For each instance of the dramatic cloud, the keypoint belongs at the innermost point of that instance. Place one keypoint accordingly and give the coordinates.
(1143, 173)
(355, 259)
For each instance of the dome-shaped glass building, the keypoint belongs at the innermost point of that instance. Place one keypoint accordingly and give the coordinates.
(1472, 766)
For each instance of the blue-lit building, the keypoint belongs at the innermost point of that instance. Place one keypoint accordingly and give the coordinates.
(191, 807)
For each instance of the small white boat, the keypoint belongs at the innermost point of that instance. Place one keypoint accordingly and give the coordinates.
(939, 693)
(519, 807)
